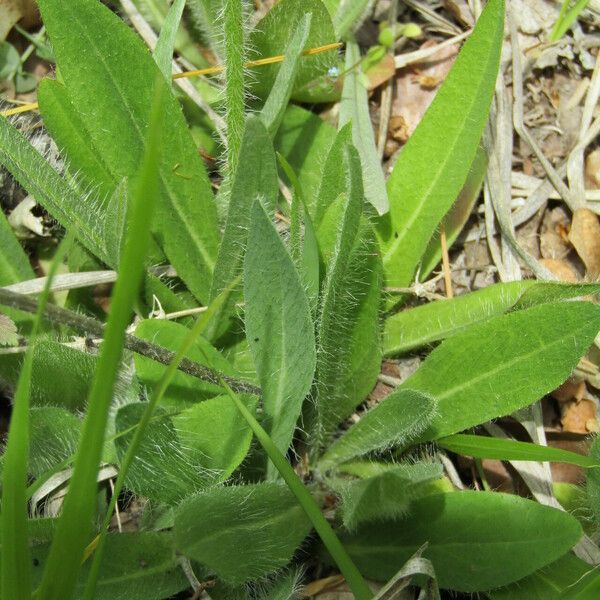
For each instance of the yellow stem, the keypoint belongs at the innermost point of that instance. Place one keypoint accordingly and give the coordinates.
(208, 71)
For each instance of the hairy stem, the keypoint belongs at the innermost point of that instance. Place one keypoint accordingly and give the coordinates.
(90, 326)
(234, 86)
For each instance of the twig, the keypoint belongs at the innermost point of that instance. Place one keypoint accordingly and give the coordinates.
(403, 60)
(575, 161)
(387, 93)
(519, 123)
(90, 326)
(446, 263)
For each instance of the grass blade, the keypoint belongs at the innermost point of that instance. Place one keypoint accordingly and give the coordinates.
(74, 526)
(355, 581)
(479, 446)
(273, 110)
(163, 53)
(159, 391)
(16, 562)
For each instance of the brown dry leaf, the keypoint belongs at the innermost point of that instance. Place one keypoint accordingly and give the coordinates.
(412, 98)
(579, 417)
(13, 11)
(554, 242)
(592, 169)
(570, 390)
(461, 11)
(563, 269)
(566, 473)
(381, 72)
(585, 237)
(321, 585)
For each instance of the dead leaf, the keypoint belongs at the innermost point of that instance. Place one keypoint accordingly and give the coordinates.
(579, 417)
(381, 72)
(570, 390)
(461, 11)
(563, 269)
(585, 237)
(592, 169)
(412, 98)
(554, 241)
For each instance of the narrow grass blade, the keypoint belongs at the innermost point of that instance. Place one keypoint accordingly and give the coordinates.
(75, 522)
(66, 204)
(354, 108)
(276, 104)
(568, 15)
(479, 446)
(157, 395)
(163, 53)
(355, 581)
(434, 164)
(16, 562)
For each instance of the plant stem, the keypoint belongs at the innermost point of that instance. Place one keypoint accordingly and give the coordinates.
(90, 326)
(355, 580)
(234, 85)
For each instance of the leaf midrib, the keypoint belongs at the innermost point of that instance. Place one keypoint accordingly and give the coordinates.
(208, 259)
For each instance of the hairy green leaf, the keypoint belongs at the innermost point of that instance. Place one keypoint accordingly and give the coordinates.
(435, 162)
(14, 264)
(271, 37)
(503, 364)
(354, 109)
(241, 532)
(279, 328)
(256, 177)
(184, 389)
(428, 323)
(334, 180)
(383, 496)
(71, 135)
(214, 435)
(548, 583)
(396, 420)
(304, 139)
(111, 85)
(476, 540)
(347, 329)
(68, 205)
(457, 216)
